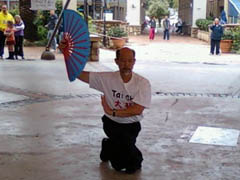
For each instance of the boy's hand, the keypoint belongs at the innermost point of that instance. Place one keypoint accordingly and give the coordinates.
(62, 45)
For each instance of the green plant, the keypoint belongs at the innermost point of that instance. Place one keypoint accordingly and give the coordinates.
(203, 24)
(14, 12)
(236, 40)
(116, 32)
(157, 8)
(227, 35)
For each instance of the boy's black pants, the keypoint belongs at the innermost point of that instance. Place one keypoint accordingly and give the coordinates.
(121, 147)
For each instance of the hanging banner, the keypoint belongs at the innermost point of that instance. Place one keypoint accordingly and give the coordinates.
(43, 4)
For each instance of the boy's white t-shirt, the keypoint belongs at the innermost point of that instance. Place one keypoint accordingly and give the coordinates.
(120, 95)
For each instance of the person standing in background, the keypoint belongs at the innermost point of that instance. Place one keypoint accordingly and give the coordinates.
(166, 27)
(51, 25)
(216, 36)
(4, 18)
(19, 36)
(152, 23)
(223, 17)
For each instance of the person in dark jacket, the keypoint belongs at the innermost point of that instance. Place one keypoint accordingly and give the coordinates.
(166, 27)
(51, 25)
(216, 35)
(152, 24)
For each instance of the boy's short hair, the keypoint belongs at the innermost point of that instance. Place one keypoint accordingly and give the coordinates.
(118, 52)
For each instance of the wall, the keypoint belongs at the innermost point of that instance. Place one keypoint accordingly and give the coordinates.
(185, 13)
(72, 5)
(213, 7)
(133, 12)
(199, 11)
(142, 12)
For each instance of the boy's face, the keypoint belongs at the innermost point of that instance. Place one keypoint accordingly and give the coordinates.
(125, 61)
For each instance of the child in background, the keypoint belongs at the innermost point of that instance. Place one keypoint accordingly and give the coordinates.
(10, 39)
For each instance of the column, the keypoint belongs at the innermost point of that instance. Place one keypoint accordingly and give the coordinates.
(72, 5)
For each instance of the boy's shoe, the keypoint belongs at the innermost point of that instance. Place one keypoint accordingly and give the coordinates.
(116, 166)
(131, 170)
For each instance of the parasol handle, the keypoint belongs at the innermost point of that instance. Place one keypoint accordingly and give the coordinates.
(57, 25)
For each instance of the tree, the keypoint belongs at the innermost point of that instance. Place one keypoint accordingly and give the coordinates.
(28, 17)
(157, 8)
(173, 4)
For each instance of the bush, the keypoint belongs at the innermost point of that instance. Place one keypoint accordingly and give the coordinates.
(227, 35)
(116, 32)
(203, 24)
(14, 12)
(236, 40)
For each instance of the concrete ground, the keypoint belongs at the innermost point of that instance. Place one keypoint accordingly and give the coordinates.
(50, 129)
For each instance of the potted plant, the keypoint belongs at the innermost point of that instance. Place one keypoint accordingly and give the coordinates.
(226, 42)
(118, 36)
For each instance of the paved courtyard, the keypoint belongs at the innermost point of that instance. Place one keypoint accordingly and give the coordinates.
(50, 129)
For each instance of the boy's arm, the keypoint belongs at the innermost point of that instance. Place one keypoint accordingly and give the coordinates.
(84, 76)
(133, 110)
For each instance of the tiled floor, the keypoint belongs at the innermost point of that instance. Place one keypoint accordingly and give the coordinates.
(51, 129)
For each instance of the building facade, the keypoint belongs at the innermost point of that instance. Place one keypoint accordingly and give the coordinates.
(117, 8)
(12, 4)
(191, 10)
(135, 15)
(231, 7)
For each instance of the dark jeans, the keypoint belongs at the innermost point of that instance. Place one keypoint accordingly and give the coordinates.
(2, 43)
(166, 34)
(19, 46)
(179, 29)
(215, 43)
(121, 147)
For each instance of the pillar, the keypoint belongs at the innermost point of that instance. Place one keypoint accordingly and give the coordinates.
(72, 5)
